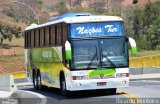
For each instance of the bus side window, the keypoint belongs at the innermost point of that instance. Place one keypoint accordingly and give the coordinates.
(29, 39)
(41, 37)
(50, 42)
(56, 28)
(32, 38)
(61, 34)
(34, 44)
(44, 37)
(58, 35)
(37, 38)
(26, 34)
(47, 36)
(53, 36)
(64, 33)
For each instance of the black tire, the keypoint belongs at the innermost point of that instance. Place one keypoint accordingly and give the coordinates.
(35, 80)
(101, 91)
(113, 91)
(63, 89)
(39, 83)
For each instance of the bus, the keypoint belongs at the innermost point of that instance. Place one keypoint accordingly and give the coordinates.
(78, 51)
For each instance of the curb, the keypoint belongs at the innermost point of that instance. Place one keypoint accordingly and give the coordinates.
(24, 84)
(28, 97)
(154, 76)
(22, 97)
(5, 94)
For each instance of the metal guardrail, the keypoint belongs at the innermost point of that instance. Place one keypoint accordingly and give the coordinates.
(145, 61)
(17, 75)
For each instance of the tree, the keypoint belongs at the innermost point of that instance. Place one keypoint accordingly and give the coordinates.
(151, 24)
(145, 23)
(10, 29)
(77, 3)
(116, 6)
(137, 22)
(61, 7)
(22, 13)
(153, 34)
(98, 7)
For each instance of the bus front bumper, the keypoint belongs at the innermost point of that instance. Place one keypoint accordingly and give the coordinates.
(93, 84)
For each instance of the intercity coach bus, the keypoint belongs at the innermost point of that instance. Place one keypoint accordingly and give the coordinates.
(78, 51)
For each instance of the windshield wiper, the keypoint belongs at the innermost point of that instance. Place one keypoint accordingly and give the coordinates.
(106, 56)
(110, 61)
(95, 55)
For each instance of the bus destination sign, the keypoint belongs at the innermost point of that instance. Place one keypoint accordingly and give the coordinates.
(97, 29)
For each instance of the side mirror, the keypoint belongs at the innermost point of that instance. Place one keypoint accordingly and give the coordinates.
(68, 51)
(133, 46)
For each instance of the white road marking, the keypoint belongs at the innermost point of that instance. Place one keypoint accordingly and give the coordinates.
(43, 98)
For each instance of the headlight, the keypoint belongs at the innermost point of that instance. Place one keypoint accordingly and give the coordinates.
(80, 77)
(122, 75)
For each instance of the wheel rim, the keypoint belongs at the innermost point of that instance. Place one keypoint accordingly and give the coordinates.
(39, 81)
(35, 81)
(63, 87)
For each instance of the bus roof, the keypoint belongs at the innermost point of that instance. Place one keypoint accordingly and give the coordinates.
(79, 17)
(74, 14)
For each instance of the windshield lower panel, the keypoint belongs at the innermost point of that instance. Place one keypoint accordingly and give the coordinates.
(99, 53)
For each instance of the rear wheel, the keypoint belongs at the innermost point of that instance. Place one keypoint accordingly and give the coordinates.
(35, 80)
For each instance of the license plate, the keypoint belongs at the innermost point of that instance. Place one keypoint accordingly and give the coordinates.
(101, 83)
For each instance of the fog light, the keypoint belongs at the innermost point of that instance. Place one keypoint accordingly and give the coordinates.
(118, 75)
(85, 77)
(79, 84)
(124, 82)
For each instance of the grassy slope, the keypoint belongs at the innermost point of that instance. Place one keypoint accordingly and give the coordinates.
(15, 42)
(11, 64)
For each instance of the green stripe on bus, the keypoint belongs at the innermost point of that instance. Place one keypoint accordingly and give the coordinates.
(68, 54)
(134, 50)
(106, 72)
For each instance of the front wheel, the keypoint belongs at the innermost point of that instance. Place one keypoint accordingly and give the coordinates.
(64, 91)
(35, 80)
(113, 90)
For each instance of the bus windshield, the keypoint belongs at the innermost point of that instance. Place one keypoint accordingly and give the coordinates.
(99, 53)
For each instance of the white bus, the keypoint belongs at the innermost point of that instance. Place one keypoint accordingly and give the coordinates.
(78, 51)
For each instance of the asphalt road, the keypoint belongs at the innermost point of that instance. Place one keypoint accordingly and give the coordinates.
(141, 90)
(144, 89)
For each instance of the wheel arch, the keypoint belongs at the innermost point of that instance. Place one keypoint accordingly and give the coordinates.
(61, 75)
(33, 73)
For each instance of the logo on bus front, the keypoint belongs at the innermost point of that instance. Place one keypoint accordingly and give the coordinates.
(101, 76)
